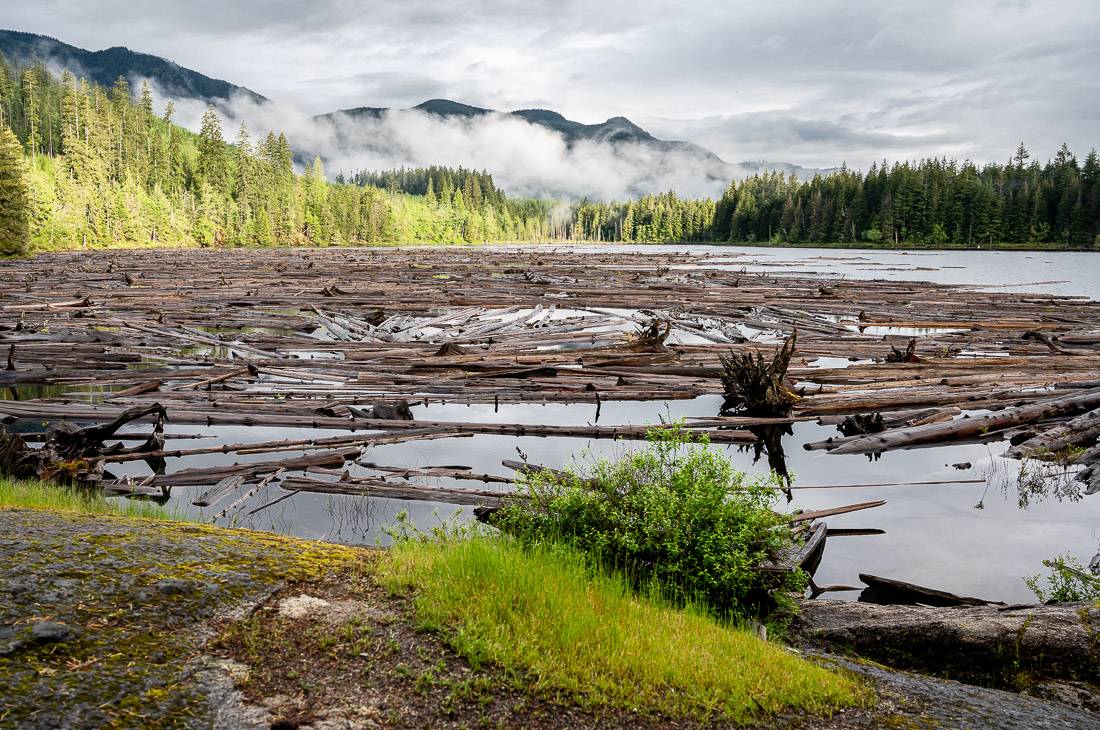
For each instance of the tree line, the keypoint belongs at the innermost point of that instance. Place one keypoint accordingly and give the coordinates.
(932, 202)
(82, 166)
(86, 166)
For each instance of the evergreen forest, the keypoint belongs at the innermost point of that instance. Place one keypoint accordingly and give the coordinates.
(83, 166)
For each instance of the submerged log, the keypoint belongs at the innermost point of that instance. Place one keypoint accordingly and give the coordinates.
(888, 591)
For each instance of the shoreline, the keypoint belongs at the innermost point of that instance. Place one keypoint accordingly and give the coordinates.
(303, 636)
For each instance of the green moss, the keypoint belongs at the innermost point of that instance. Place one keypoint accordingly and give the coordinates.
(135, 590)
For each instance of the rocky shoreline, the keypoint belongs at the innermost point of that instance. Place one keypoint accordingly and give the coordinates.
(139, 623)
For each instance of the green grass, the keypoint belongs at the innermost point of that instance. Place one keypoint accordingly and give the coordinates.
(557, 626)
(46, 496)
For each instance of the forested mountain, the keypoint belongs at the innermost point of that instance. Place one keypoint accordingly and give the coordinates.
(617, 130)
(103, 67)
(86, 166)
(644, 163)
(97, 168)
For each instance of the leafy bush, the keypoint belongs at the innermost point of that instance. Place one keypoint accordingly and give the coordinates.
(675, 513)
(1067, 582)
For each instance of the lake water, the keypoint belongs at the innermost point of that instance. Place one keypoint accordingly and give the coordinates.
(1068, 273)
(977, 539)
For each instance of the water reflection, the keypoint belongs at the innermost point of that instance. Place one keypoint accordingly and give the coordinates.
(769, 443)
(1031, 481)
(928, 527)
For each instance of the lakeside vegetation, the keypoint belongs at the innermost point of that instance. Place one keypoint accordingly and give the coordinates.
(546, 614)
(627, 585)
(21, 494)
(82, 166)
(560, 627)
(676, 517)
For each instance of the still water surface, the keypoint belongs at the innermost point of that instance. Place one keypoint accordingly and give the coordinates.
(976, 539)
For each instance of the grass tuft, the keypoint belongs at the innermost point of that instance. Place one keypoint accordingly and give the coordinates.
(46, 496)
(557, 626)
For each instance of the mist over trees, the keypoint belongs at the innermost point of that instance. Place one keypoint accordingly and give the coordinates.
(85, 166)
(103, 169)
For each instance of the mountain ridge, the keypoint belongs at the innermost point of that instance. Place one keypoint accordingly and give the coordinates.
(106, 65)
(618, 133)
(615, 130)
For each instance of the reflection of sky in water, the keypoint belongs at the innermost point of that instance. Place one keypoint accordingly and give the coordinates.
(934, 535)
(1073, 273)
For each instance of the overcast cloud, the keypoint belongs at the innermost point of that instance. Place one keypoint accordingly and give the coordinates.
(814, 83)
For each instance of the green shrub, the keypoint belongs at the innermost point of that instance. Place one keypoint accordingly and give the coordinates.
(1067, 582)
(676, 513)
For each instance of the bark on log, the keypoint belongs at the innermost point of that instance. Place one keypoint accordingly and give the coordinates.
(981, 644)
(973, 426)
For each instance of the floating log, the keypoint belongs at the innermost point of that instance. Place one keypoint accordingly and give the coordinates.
(484, 333)
(970, 427)
(393, 490)
(830, 511)
(1055, 441)
(896, 592)
(218, 492)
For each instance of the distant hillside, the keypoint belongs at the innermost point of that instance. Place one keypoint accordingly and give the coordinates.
(616, 130)
(103, 67)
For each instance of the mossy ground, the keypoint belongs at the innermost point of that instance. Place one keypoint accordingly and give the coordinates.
(150, 601)
(133, 592)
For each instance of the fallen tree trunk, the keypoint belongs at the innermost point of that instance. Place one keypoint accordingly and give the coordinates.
(989, 645)
(1054, 442)
(887, 591)
(973, 426)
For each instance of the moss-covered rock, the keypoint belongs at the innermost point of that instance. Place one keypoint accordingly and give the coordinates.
(99, 616)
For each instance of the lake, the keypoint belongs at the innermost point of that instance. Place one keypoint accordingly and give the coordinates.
(972, 538)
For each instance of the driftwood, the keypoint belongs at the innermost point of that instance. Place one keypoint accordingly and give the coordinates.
(908, 355)
(895, 592)
(396, 489)
(830, 511)
(218, 492)
(72, 455)
(756, 387)
(988, 645)
(862, 423)
(1054, 443)
(973, 426)
(327, 331)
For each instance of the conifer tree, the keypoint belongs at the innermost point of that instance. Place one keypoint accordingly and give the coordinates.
(14, 213)
(211, 164)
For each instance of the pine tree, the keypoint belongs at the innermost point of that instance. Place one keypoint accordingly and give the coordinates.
(146, 102)
(14, 207)
(31, 121)
(211, 164)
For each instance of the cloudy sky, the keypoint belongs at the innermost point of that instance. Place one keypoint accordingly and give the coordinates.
(814, 83)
